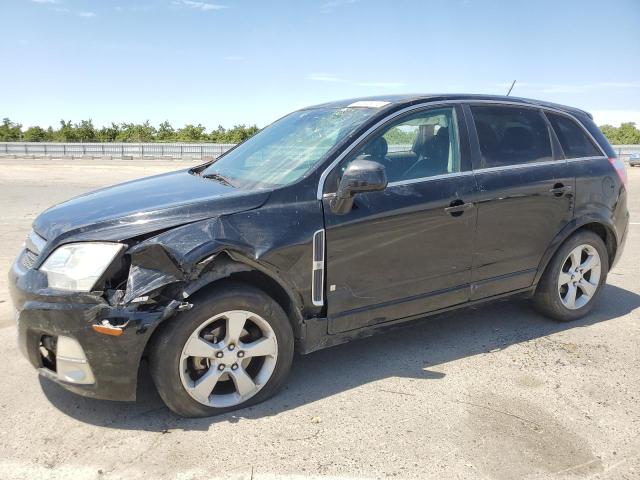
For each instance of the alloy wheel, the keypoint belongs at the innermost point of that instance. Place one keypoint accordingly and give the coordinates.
(579, 277)
(228, 359)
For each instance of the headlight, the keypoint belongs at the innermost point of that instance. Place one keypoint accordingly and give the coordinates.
(78, 266)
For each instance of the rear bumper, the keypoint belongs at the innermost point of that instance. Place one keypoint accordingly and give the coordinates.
(621, 225)
(113, 361)
(623, 228)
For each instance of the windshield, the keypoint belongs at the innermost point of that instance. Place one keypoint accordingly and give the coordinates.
(287, 149)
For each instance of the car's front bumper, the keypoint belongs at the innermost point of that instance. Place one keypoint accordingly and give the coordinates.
(110, 362)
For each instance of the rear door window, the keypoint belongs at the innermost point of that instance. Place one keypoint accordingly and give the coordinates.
(574, 141)
(511, 135)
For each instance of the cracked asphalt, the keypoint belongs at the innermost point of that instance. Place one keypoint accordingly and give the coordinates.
(494, 391)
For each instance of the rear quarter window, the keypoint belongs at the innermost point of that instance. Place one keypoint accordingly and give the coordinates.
(511, 135)
(573, 139)
(597, 134)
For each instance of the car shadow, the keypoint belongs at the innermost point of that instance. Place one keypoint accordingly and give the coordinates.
(413, 351)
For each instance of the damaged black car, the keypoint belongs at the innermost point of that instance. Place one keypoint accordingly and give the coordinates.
(331, 224)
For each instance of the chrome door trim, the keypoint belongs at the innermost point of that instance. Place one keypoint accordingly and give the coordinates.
(318, 242)
(428, 179)
(518, 166)
(536, 164)
(583, 159)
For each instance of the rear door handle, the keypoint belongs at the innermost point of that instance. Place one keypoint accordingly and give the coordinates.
(559, 189)
(457, 208)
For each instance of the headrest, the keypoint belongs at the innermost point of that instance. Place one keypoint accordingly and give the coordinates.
(377, 149)
(443, 132)
(425, 132)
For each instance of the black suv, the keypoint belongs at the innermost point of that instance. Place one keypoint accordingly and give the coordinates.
(334, 222)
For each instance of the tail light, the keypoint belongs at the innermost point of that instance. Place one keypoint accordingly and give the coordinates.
(620, 169)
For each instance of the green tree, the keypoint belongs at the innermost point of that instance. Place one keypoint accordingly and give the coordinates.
(9, 131)
(610, 132)
(240, 133)
(66, 132)
(628, 134)
(191, 133)
(85, 131)
(108, 134)
(166, 133)
(625, 134)
(35, 134)
(218, 135)
(51, 134)
(237, 134)
(131, 132)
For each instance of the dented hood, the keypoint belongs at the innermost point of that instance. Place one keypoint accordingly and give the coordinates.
(143, 206)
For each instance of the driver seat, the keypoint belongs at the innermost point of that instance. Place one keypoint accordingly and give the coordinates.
(434, 157)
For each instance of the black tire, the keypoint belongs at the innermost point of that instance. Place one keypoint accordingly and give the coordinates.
(166, 350)
(546, 299)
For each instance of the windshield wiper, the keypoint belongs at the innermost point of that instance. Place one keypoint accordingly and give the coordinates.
(220, 178)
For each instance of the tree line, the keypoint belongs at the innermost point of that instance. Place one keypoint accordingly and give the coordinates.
(85, 131)
(625, 134)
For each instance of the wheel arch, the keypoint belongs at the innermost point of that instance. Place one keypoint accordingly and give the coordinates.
(266, 283)
(601, 226)
(228, 267)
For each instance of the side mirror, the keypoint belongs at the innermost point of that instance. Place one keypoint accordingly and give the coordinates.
(359, 177)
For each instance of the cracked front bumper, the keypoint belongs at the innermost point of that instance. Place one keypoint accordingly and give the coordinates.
(112, 361)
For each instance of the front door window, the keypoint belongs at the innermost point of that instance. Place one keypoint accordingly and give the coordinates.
(419, 145)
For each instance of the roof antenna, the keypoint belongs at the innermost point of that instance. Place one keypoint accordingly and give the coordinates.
(511, 88)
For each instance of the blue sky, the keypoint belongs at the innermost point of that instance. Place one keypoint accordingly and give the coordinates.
(233, 61)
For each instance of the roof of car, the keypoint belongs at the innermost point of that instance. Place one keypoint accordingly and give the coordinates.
(410, 99)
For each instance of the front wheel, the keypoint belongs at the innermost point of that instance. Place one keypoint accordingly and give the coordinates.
(232, 349)
(574, 278)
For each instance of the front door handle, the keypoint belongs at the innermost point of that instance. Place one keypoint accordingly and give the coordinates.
(559, 189)
(457, 208)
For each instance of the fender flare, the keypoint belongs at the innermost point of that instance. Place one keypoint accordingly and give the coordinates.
(237, 262)
(568, 230)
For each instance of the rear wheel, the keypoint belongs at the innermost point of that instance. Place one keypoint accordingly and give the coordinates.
(233, 349)
(574, 278)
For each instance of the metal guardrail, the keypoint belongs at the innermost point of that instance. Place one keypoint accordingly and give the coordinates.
(157, 150)
(625, 151)
(122, 150)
